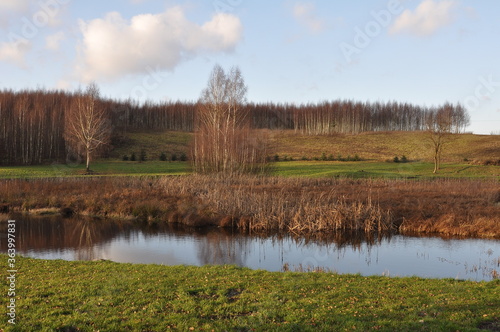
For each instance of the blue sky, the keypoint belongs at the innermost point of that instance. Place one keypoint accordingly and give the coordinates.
(420, 51)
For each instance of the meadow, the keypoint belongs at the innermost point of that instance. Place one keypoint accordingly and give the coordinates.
(106, 296)
(101, 167)
(297, 155)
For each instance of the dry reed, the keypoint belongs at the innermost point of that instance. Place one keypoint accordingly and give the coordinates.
(273, 204)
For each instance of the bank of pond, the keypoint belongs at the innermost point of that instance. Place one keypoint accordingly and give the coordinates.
(262, 204)
(57, 295)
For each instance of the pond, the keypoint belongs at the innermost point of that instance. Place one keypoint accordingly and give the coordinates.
(390, 255)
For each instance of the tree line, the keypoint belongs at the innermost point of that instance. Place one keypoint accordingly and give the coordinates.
(33, 123)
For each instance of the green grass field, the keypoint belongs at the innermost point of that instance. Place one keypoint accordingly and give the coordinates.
(381, 170)
(105, 296)
(99, 168)
(360, 169)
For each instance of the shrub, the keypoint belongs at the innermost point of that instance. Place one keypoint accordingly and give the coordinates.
(331, 157)
(396, 159)
(173, 157)
(125, 158)
(142, 156)
(323, 156)
(357, 158)
(133, 157)
(404, 159)
(276, 157)
(183, 157)
(304, 158)
(163, 156)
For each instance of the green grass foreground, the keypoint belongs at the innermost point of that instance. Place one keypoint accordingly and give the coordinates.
(314, 169)
(106, 296)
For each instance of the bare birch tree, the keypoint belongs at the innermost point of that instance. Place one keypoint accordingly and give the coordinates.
(87, 124)
(441, 123)
(224, 141)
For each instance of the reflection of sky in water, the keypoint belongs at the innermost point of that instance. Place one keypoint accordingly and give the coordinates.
(395, 256)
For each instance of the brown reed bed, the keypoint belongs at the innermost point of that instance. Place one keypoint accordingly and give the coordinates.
(273, 204)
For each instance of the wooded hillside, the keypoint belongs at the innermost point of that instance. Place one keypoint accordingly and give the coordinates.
(32, 122)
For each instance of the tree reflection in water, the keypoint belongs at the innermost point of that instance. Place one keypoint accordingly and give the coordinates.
(161, 243)
(221, 248)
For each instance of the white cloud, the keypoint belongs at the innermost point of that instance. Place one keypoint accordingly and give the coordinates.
(113, 46)
(427, 18)
(15, 51)
(14, 5)
(305, 14)
(52, 42)
(11, 8)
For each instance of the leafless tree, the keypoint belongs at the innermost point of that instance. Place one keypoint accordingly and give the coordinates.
(441, 123)
(87, 123)
(224, 141)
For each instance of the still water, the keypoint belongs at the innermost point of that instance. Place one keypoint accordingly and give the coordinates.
(395, 255)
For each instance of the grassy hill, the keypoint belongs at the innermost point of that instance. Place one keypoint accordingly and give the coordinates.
(462, 157)
(371, 146)
(380, 146)
(154, 143)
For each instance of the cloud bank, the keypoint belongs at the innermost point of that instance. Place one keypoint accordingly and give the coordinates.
(113, 46)
(427, 19)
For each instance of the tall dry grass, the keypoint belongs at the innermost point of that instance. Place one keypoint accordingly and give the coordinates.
(299, 206)
(269, 204)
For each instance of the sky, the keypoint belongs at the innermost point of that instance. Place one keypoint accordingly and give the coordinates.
(425, 52)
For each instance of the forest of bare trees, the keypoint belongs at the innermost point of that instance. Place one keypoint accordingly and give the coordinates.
(32, 123)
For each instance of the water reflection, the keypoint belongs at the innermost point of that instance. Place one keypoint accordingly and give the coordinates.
(124, 241)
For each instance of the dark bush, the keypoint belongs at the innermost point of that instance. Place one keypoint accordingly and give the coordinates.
(142, 156)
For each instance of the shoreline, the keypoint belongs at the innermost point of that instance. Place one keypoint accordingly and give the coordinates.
(301, 207)
(108, 296)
